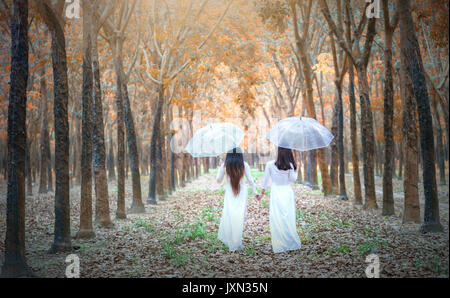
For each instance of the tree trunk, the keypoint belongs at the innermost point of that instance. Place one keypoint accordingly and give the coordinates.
(172, 155)
(340, 141)
(367, 139)
(111, 167)
(353, 128)
(334, 166)
(411, 211)
(49, 163)
(14, 264)
(28, 170)
(62, 240)
(441, 154)
(136, 206)
(413, 66)
(319, 154)
(400, 162)
(388, 192)
(44, 134)
(102, 213)
(440, 149)
(155, 161)
(86, 230)
(120, 212)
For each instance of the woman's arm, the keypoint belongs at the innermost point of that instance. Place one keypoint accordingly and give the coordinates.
(293, 174)
(266, 177)
(221, 173)
(249, 177)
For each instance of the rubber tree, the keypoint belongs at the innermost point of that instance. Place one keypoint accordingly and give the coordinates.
(86, 228)
(359, 58)
(413, 66)
(162, 58)
(115, 34)
(301, 42)
(53, 18)
(102, 212)
(388, 192)
(14, 264)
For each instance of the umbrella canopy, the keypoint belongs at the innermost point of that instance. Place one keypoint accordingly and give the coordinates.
(300, 133)
(214, 140)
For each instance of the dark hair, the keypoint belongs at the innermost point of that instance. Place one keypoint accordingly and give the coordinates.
(234, 164)
(284, 159)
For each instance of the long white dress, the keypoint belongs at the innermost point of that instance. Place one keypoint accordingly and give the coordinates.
(282, 215)
(234, 210)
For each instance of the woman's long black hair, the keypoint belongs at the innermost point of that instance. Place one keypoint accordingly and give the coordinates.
(284, 159)
(234, 165)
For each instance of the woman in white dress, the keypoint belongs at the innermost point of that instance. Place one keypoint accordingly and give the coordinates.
(235, 202)
(282, 216)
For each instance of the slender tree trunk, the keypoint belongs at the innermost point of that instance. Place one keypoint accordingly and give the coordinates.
(78, 154)
(62, 240)
(28, 171)
(400, 162)
(413, 66)
(320, 153)
(440, 149)
(340, 114)
(44, 134)
(111, 167)
(121, 212)
(14, 264)
(86, 229)
(353, 127)
(49, 164)
(441, 153)
(334, 166)
(155, 161)
(172, 155)
(411, 211)
(367, 139)
(388, 192)
(136, 206)
(102, 212)
(159, 174)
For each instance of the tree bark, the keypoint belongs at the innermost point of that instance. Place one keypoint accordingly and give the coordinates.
(411, 212)
(155, 161)
(49, 162)
(102, 212)
(121, 212)
(86, 229)
(334, 165)
(15, 264)
(111, 166)
(52, 16)
(367, 139)
(413, 65)
(136, 206)
(43, 134)
(29, 177)
(388, 192)
(340, 141)
(354, 140)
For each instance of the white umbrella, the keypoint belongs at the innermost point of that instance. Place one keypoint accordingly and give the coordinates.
(214, 140)
(300, 133)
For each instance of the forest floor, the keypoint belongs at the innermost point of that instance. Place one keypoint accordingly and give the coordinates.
(178, 237)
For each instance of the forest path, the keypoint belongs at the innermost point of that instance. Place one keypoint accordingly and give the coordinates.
(178, 238)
